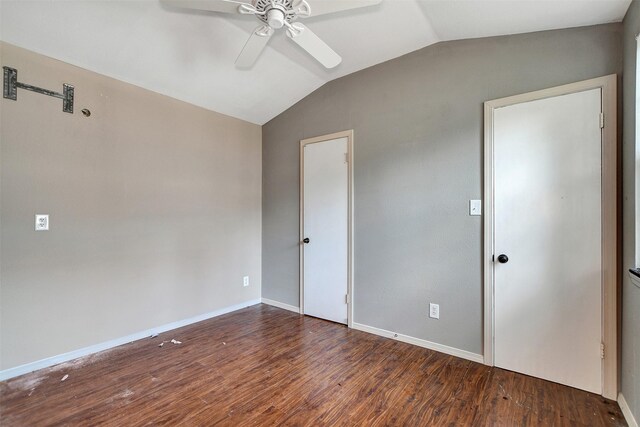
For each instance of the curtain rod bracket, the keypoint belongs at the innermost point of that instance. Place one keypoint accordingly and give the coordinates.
(11, 84)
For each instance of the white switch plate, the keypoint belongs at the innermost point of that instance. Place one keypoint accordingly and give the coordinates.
(475, 207)
(42, 222)
(434, 311)
(245, 281)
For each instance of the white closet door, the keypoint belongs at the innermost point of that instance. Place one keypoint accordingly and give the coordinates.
(325, 257)
(548, 295)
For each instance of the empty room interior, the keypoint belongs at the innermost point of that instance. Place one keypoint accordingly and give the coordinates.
(320, 212)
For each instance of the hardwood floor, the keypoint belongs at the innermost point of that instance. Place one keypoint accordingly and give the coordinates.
(266, 366)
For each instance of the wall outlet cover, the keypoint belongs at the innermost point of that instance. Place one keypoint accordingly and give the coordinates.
(434, 311)
(245, 281)
(42, 222)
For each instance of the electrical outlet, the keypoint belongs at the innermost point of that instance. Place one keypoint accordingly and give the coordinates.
(434, 311)
(245, 281)
(42, 222)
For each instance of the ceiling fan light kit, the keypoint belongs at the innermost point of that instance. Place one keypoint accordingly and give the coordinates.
(274, 15)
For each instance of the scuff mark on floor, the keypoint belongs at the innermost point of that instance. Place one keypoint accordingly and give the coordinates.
(26, 382)
(126, 394)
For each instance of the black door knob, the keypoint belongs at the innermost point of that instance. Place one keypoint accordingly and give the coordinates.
(503, 259)
(306, 240)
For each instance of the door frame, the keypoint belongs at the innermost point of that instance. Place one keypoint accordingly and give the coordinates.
(350, 273)
(609, 202)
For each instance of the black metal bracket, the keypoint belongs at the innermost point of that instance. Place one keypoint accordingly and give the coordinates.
(11, 85)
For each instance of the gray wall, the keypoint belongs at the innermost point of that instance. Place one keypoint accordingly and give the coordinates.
(418, 161)
(630, 371)
(155, 211)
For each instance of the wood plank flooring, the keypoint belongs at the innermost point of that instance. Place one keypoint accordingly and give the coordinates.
(266, 366)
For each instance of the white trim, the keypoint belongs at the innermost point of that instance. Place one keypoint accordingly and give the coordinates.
(420, 342)
(65, 357)
(281, 305)
(609, 219)
(637, 159)
(626, 411)
(635, 279)
(350, 228)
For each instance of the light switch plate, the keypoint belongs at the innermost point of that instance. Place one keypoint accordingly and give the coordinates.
(42, 222)
(475, 207)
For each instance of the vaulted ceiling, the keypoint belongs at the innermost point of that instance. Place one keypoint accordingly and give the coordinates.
(190, 55)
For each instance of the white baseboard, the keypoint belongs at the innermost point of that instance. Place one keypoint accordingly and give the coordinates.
(626, 411)
(420, 342)
(388, 334)
(281, 305)
(54, 360)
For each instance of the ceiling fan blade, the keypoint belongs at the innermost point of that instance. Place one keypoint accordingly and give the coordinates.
(224, 6)
(322, 7)
(307, 40)
(254, 46)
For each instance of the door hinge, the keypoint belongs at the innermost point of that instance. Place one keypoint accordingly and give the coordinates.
(601, 120)
(601, 350)
(347, 298)
(346, 157)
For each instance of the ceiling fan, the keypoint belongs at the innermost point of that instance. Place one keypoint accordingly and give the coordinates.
(276, 14)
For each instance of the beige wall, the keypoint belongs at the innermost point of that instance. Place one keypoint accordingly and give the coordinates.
(155, 210)
(630, 370)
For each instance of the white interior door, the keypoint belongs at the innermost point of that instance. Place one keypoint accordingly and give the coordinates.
(547, 213)
(325, 224)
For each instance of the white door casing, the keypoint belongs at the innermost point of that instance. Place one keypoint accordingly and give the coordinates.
(325, 261)
(551, 194)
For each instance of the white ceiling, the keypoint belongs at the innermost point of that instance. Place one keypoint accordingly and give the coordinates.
(190, 55)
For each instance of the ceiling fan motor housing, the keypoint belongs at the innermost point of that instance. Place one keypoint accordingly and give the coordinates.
(275, 18)
(274, 12)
